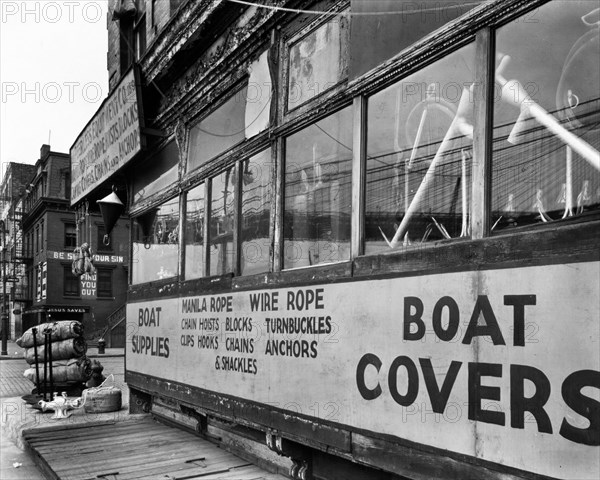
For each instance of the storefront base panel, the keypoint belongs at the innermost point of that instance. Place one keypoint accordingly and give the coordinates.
(241, 425)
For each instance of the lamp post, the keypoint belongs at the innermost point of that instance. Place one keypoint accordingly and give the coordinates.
(4, 308)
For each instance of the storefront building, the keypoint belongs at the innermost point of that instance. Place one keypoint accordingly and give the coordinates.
(52, 231)
(364, 233)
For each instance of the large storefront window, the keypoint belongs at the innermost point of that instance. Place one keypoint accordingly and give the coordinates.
(257, 191)
(317, 208)
(156, 243)
(222, 223)
(419, 154)
(547, 116)
(194, 233)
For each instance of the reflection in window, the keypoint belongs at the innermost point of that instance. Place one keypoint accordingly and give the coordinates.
(156, 243)
(383, 28)
(221, 223)
(256, 211)
(318, 61)
(546, 117)
(419, 151)
(219, 131)
(318, 192)
(158, 172)
(194, 233)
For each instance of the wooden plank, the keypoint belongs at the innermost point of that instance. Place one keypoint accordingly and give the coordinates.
(136, 450)
(103, 434)
(206, 232)
(359, 155)
(483, 106)
(419, 464)
(99, 452)
(107, 436)
(170, 463)
(183, 470)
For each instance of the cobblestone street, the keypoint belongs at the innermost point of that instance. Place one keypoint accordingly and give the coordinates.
(15, 463)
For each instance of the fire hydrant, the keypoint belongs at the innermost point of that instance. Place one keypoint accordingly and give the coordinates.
(60, 405)
(101, 346)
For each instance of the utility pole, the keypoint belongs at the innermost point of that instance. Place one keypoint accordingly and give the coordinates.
(5, 325)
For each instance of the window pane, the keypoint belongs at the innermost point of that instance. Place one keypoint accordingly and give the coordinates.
(104, 282)
(71, 283)
(219, 131)
(221, 223)
(156, 173)
(546, 117)
(156, 243)
(70, 235)
(383, 28)
(318, 62)
(318, 200)
(194, 233)
(256, 211)
(419, 151)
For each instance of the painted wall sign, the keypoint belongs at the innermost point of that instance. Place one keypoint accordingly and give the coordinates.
(67, 309)
(109, 140)
(503, 365)
(98, 258)
(88, 285)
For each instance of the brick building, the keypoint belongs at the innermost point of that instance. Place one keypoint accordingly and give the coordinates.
(14, 185)
(51, 232)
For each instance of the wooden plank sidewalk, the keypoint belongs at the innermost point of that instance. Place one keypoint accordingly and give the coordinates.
(134, 449)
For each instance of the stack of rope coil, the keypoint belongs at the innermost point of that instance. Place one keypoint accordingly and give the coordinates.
(102, 399)
(69, 362)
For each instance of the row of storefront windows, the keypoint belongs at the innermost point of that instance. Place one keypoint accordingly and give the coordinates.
(419, 162)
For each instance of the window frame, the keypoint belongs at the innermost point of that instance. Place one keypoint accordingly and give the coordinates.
(69, 277)
(106, 293)
(67, 236)
(288, 40)
(473, 27)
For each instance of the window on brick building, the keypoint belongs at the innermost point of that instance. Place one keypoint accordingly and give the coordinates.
(42, 235)
(67, 180)
(104, 289)
(70, 283)
(70, 235)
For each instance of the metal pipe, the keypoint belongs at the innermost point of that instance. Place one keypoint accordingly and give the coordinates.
(514, 93)
(50, 363)
(45, 364)
(4, 315)
(35, 357)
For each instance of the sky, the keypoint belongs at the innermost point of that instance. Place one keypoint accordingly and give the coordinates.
(53, 74)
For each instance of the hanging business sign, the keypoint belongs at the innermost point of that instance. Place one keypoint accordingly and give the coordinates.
(109, 140)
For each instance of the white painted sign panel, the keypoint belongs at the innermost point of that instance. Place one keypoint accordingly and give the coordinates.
(503, 365)
(108, 141)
